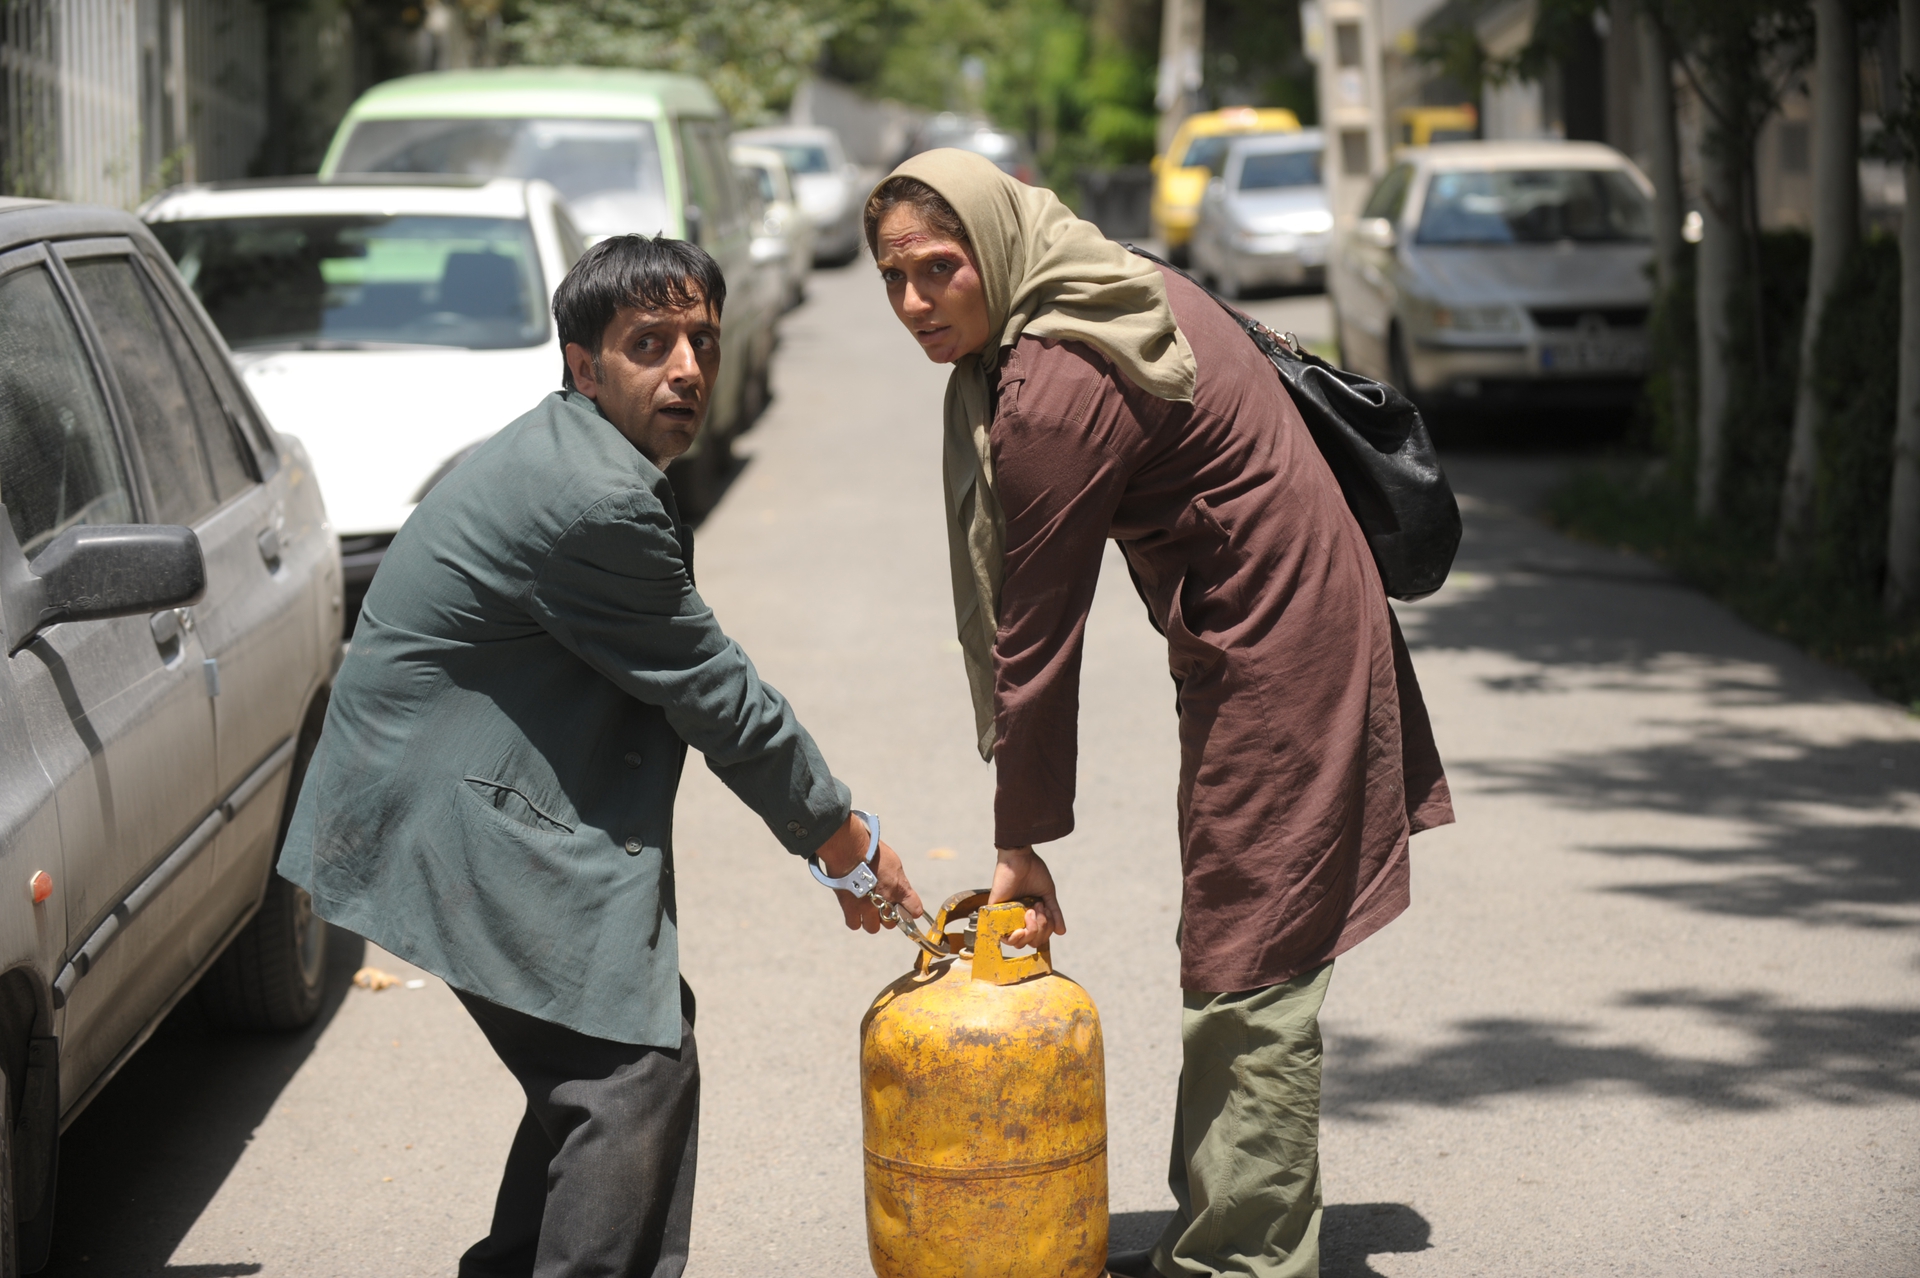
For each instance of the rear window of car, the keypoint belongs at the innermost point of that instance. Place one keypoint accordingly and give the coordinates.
(1277, 169)
(802, 157)
(318, 282)
(608, 170)
(1533, 206)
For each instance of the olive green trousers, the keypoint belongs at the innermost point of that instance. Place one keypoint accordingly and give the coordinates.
(1246, 1134)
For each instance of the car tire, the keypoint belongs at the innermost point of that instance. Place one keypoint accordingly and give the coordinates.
(1180, 255)
(273, 976)
(1399, 367)
(9, 1227)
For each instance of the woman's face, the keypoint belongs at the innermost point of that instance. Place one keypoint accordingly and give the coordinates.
(933, 285)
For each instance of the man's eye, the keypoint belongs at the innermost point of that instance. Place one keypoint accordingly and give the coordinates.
(941, 267)
(891, 276)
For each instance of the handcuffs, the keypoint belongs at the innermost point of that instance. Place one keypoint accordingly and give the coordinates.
(862, 881)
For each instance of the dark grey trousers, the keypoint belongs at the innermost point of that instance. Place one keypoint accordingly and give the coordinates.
(599, 1182)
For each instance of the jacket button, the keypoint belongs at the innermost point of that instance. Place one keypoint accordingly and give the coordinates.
(793, 827)
(633, 847)
(800, 832)
(633, 758)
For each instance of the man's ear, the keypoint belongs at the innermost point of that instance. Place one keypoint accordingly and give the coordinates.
(580, 363)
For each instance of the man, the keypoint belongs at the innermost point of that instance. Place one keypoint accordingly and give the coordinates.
(492, 797)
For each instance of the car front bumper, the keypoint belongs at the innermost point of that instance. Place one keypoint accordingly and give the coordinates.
(1546, 365)
(1276, 259)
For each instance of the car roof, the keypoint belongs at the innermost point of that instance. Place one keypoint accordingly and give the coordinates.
(591, 93)
(1241, 120)
(789, 133)
(1264, 143)
(765, 156)
(1516, 155)
(399, 193)
(25, 221)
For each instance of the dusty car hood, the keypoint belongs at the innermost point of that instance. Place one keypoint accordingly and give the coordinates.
(1264, 211)
(1535, 274)
(377, 424)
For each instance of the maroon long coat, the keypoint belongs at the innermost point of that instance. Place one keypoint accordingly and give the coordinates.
(1306, 757)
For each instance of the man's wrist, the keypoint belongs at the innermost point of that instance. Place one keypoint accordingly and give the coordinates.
(845, 848)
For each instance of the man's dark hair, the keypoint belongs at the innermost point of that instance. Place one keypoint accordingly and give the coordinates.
(651, 273)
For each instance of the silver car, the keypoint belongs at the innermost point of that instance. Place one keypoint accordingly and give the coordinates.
(1264, 221)
(1481, 271)
(170, 607)
(829, 187)
(782, 236)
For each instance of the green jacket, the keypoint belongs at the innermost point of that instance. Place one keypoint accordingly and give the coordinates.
(492, 796)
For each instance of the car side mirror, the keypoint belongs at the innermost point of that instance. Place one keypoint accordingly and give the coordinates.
(1377, 231)
(694, 218)
(90, 573)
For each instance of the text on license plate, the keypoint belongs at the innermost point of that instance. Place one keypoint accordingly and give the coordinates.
(1594, 356)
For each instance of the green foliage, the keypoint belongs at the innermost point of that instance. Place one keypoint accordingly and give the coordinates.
(1758, 427)
(754, 53)
(1254, 57)
(1829, 602)
(1673, 337)
(1855, 378)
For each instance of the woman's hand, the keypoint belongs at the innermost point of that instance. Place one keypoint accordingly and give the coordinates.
(846, 849)
(1020, 872)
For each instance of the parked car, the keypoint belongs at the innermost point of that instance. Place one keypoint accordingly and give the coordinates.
(1009, 151)
(782, 235)
(829, 187)
(1192, 159)
(1432, 125)
(629, 151)
(768, 284)
(1481, 270)
(393, 325)
(1264, 221)
(170, 605)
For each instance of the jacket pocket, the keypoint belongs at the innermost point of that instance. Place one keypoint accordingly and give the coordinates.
(516, 806)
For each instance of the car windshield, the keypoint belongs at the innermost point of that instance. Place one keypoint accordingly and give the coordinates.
(1265, 172)
(1533, 206)
(802, 157)
(608, 170)
(1211, 151)
(344, 282)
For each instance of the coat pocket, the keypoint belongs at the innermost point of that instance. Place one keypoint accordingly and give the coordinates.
(516, 806)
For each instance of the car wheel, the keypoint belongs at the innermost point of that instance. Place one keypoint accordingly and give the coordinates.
(1180, 255)
(273, 975)
(1231, 289)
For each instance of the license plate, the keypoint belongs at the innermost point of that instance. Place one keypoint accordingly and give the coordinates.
(1594, 356)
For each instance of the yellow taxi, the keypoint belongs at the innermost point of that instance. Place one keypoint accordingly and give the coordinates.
(1424, 126)
(1180, 176)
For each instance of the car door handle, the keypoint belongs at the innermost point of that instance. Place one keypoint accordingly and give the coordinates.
(166, 633)
(269, 543)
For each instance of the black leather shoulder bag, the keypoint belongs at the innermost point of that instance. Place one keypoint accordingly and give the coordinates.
(1379, 450)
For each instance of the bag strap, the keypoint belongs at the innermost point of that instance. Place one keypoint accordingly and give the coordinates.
(1271, 344)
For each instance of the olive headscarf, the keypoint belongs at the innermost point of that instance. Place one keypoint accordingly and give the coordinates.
(1048, 274)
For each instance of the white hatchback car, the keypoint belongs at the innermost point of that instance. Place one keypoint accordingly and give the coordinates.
(393, 325)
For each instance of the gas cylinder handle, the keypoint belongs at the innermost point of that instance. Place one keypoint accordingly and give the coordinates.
(995, 968)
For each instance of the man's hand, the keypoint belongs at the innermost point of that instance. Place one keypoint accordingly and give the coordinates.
(848, 848)
(1020, 872)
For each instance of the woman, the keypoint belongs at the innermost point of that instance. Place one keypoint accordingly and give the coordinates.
(1095, 395)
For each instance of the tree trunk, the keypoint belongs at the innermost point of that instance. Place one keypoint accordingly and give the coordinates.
(1663, 151)
(1836, 230)
(1903, 530)
(1722, 261)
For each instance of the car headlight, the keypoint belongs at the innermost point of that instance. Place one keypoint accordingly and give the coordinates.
(1474, 319)
(1307, 222)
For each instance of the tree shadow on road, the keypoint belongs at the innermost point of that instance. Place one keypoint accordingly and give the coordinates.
(1350, 1233)
(139, 1167)
(1836, 1056)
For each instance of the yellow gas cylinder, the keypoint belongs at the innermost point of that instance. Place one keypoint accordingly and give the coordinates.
(984, 1104)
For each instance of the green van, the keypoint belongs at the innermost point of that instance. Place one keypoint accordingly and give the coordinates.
(630, 151)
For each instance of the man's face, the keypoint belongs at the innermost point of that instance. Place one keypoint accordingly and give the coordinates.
(654, 377)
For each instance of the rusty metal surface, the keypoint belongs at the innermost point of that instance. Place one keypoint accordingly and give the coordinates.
(983, 1098)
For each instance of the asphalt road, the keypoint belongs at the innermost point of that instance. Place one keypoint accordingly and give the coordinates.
(1655, 1010)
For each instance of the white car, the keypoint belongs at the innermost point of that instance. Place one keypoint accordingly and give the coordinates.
(1264, 219)
(829, 187)
(782, 235)
(392, 325)
(1500, 271)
